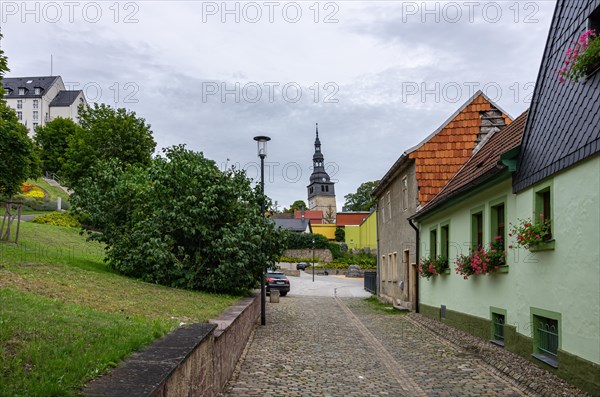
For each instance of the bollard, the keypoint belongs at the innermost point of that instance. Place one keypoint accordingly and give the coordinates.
(274, 296)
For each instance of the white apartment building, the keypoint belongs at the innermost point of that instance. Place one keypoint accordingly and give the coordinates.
(38, 100)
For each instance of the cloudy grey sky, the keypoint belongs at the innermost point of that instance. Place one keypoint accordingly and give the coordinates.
(378, 76)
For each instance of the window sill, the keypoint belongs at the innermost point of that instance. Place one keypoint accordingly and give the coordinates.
(446, 271)
(502, 269)
(545, 246)
(547, 360)
(497, 342)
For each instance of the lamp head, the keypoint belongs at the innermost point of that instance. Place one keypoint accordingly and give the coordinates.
(261, 142)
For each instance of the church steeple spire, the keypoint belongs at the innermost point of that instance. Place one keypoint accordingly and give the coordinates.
(321, 190)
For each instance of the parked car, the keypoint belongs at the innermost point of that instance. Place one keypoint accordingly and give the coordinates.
(278, 281)
(302, 266)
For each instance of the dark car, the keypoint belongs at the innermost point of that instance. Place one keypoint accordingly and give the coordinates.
(278, 281)
(302, 266)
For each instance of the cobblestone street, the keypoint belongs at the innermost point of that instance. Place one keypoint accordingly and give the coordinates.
(331, 346)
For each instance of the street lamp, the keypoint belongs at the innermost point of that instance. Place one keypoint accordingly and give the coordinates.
(313, 244)
(261, 142)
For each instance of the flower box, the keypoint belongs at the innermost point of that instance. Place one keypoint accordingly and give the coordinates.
(544, 246)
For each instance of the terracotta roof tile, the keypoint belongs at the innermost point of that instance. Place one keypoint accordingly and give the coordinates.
(483, 163)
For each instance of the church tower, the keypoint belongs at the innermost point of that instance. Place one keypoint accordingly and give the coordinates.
(321, 191)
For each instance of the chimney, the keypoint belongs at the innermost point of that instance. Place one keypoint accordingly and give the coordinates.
(302, 213)
(491, 120)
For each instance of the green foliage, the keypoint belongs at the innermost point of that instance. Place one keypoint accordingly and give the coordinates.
(3, 69)
(529, 233)
(18, 157)
(482, 260)
(305, 240)
(581, 58)
(52, 140)
(340, 234)
(363, 259)
(297, 205)
(432, 266)
(376, 304)
(105, 134)
(288, 259)
(180, 222)
(361, 200)
(336, 250)
(57, 219)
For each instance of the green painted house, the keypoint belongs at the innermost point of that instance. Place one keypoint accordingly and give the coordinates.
(531, 190)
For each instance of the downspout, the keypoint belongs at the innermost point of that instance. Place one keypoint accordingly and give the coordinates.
(377, 234)
(410, 221)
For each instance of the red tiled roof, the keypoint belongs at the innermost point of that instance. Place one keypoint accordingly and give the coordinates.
(315, 216)
(442, 155)
(350, 218)
(483, 163)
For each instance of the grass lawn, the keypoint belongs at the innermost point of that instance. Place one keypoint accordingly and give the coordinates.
(53, 191)
(65, 317)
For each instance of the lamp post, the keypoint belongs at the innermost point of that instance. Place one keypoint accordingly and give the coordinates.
(261, 142)
(313, 244)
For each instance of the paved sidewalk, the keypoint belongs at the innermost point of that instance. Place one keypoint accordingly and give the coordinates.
(331, 346)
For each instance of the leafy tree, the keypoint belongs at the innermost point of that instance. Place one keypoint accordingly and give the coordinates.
(361, 200)
(18, 159)
(340, 234)
(297, 205)
(53, 141)
(180, 222)
(107, 133)
(305, 240)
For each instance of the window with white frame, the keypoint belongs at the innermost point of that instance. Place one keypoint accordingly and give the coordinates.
(20, 116)
(36, 103)
(36, 115)
(21, 91)
(37, 91)
(35, 125)
(19, 104)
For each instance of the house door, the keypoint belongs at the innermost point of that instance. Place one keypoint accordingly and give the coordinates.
(406, 276)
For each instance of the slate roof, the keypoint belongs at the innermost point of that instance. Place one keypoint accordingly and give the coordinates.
(483, 164)
(65, 98)
(564, 120)
(293, 225)
(439, 156)
(14, 83)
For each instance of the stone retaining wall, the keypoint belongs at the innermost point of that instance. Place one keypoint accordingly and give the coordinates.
(334, 272)
(231, 335)
(193, 360)
(322, 253)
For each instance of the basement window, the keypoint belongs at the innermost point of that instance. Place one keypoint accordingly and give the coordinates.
(498, 321)
(546, 333)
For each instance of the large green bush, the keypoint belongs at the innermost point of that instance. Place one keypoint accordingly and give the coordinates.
(305, 240)
(180, 222)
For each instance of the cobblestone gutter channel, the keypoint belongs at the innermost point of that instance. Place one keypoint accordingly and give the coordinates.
(519, 369)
